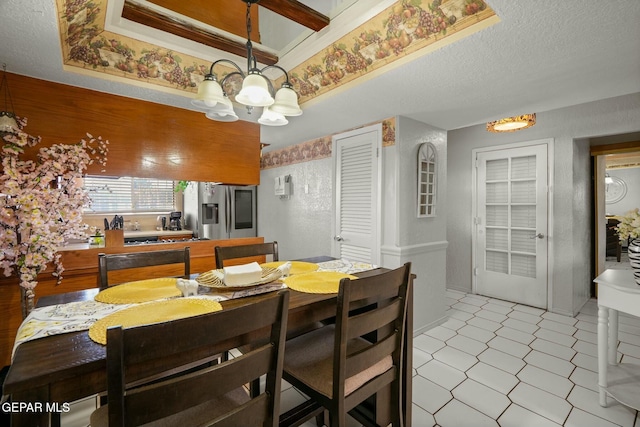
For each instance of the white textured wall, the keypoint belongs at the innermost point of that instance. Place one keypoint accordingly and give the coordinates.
(570, 218)
(301, 224)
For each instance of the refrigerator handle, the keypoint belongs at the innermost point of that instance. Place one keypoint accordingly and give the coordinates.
(228, 210)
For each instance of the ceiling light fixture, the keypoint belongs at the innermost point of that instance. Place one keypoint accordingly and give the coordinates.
(512, 124)
(257, 90)
(8, 121)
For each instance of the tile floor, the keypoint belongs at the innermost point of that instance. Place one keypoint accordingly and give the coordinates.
(497, 363)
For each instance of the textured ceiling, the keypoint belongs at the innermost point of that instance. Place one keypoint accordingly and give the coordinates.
(542, 55)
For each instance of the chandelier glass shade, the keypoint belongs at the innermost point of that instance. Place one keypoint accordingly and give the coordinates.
(512, 124)
(8, 121)
(257, 90)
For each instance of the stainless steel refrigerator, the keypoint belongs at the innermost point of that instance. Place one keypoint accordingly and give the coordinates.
(215, 211)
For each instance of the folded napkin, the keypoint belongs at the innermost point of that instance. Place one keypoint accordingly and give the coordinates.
(285, 268)
(240, 275)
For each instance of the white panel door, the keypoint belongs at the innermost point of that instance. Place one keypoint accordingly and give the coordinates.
(357, 198)
(511, 225)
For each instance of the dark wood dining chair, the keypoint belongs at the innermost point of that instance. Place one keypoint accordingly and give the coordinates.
(125, 261)
(339, 365)
(225, 253)
(197, 393)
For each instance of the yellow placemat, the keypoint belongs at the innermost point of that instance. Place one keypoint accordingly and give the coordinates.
(140, 291)
(319, 282)
(297, 267)
(153, 312)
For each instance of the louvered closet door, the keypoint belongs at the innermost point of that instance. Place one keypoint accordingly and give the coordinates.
(511, 225)
(356, 235)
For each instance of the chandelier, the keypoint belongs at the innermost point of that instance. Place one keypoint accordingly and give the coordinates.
(257, 90)
(8, 121)
(512, 124)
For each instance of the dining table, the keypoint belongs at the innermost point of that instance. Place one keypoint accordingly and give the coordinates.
(52, 371)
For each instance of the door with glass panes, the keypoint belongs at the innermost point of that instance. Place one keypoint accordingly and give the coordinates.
(511, 225)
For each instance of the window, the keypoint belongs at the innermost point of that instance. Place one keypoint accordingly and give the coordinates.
(129, 195)
(426, 180)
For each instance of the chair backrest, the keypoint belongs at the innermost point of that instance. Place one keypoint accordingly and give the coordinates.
(125, 261)
(373, 309)
(184, 348)
(225, 253)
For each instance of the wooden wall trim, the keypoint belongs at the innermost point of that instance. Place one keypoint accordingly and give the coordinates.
(624, 147)
(146, 139)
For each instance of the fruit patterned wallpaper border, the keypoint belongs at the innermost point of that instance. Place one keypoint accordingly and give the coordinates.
(401, 31)
(319, 148)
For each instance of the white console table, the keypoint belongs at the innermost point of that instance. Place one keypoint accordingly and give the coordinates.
(617, 292)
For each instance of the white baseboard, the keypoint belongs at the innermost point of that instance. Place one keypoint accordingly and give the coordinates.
(429, 326)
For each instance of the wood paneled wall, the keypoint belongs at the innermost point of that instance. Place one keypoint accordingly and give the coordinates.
(146, 139)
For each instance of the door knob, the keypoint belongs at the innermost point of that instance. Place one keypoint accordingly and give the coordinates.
(539, 236)
(338, 238)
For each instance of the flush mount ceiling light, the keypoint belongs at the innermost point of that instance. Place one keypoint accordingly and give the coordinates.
(8, 121)
(257, 90)
(512, 124)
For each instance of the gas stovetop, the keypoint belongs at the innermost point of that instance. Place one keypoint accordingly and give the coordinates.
(157, 241)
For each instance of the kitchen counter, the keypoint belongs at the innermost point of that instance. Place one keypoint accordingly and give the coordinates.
(75, 246)
(151, 233)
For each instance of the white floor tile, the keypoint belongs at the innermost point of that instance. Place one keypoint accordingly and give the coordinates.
(627, 338)
(457, 414)
(467, 345)
(426, 343)
(497, 308)
(629, 349)
(476, 333)
(428, 395)
(519, 325)
(79, 412)
(588, 401)
(580, 418)
(556, 337)
(528, 309)
(421, 417)
(586, 362)
(460, 315)
(420, 357)
(517, 416)
(482, 398)
(587, 336)
(561, 351)
(585, 378)
(562, 328)
(525, 317)
(461, 306)
(456, 358)
(442, 374)
(474, 300)
(493, 377)
(490, 315)
(550, 363)
(502, 302)
(453, 324)
(560, 318)
(587, 326)
(495, 362)
(586, 348)
(545, 380)
(509, 346)
(515, 335)
(541, 402)
(441, 333)
(501, 360)
(290, 398)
